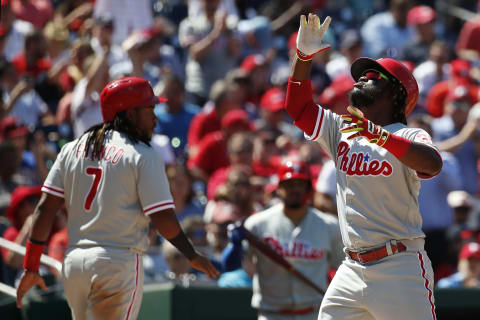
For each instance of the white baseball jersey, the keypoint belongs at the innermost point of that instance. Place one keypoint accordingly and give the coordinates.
(109, 199)
(377, 195)
(310, 247)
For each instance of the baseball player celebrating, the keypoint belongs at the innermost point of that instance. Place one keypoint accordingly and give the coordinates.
(306, 238)
(379, 161)
(113, 184)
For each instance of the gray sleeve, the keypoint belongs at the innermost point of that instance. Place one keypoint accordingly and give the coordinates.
(152, 184)
(54, 183)
(327, 131)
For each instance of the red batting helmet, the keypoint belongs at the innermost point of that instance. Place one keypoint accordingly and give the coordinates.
(293, 169)
(126, 93)
(395, 69)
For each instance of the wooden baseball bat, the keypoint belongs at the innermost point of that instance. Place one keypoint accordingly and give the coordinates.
(273, 255)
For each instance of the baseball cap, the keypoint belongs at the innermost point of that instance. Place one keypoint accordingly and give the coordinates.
(420, 15)
(11, 127)
(19, 195)
(460, 69)
(252, 61)
(459, 198)
(236, 117)
(460, 93)
(273, 99)
(470, 250)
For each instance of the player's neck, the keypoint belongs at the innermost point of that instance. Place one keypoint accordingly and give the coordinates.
(295, 215)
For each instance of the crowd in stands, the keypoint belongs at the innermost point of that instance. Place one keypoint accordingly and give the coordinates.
(224, 67)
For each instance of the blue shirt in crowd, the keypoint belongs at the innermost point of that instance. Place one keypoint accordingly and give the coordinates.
(175, 125)
(466, 155)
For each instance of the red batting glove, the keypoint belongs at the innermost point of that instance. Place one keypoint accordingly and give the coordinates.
(364, 127)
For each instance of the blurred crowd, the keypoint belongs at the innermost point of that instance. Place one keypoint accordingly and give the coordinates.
(224, 67)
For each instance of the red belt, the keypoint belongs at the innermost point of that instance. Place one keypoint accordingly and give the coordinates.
(377, 253)
(292, 311)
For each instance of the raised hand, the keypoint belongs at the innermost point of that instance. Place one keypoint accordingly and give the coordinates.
(362, 127)
(310, 34)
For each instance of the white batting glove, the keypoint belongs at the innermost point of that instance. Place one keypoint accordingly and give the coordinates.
(310, 34)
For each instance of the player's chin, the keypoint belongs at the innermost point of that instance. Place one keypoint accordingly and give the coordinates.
(293, 203)
(360, 98)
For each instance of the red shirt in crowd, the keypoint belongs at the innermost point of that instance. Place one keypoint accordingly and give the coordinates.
(202, 124)
(211, 155)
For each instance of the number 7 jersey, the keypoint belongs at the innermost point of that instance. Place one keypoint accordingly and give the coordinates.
(109, 197)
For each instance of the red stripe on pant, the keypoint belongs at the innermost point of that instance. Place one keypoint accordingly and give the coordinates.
(427, 282)
(134, 291)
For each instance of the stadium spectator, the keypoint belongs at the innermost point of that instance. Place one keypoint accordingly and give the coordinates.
(468, 275)
(239, 152)
(21, 100)
(127, 15)
(175, 115)
(14, 31)
(422, 18)
(387, 33)
(458, 132)
(351, 48)
(212, 151)
(430, 72)
(224, 96)
(181, 180)
(212, 48)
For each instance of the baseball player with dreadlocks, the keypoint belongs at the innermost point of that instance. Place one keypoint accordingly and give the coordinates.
(379, 161)
(113, 184)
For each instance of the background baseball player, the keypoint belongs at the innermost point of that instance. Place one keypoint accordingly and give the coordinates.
(113, 184)
(387, 274)
(307, 238)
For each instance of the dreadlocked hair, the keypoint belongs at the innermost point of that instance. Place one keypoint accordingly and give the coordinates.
(399, 101)
(98, 133)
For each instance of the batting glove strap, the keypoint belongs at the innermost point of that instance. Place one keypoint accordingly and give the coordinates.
(32, 256)
(362, 127)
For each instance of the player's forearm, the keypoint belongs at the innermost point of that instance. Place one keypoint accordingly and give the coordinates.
(420, 158)
(166, 223)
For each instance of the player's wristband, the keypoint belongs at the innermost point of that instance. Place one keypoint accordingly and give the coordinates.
(302, 56)
(183, 245)
(32, 255)
(397, 145)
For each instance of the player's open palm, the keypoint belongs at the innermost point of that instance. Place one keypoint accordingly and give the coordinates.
(201, 263)
(310, 34)
(28, 281)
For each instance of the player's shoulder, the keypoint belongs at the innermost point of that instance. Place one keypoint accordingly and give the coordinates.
(264, 216)
(322, 216)
(406, 132)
